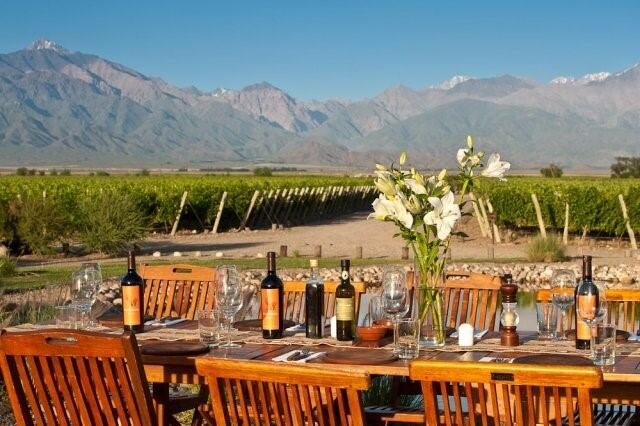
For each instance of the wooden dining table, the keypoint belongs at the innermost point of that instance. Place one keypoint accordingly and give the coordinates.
(621, 381)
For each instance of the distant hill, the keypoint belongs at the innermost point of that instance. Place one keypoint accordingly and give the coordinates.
(59, 107)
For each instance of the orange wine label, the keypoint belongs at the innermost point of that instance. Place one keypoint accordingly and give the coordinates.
(344, 308)
(587, 305)
(583, 331)
(131, 305)
(270, 305)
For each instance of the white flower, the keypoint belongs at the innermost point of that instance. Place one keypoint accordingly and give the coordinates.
(444, 216)
(461, 156)
(415, 187)
(401, 213)
(384, 183)
(412, 203)
(496, 168)
(382, 208)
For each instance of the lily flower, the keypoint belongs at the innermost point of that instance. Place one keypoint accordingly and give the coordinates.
(444, 215)
(382, 208)
(415, 186)
(461, 156)
(496, 168)
(384, 183)
(401, 214)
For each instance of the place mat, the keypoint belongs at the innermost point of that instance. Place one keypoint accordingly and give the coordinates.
(173, 348)
(621, 335)
(532, 345)
(256, 325)
(34, 327)
(359, 357)
(549, 359)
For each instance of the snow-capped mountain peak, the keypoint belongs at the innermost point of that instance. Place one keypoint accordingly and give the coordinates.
(453, 82)
(563, 80)
(44, 44)
(598, 76)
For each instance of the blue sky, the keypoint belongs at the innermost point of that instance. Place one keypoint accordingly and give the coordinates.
(323, 49)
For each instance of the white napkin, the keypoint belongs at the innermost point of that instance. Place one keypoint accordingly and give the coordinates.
(476, 335)
(160, 323)
(634, 338)
(283, 357)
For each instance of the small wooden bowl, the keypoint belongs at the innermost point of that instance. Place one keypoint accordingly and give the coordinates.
(387, 324)
(371, 333)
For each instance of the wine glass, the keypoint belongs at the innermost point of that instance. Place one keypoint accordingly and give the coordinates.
(228, 297)
(591, 306)
(562, 294)
(395, 296)
(83, 292)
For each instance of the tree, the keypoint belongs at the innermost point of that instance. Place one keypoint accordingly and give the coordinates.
(626, 167)
(262, 171)
(553, 171)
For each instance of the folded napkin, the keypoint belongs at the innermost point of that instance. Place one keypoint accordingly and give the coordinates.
(479, 334)
(634, 338)
(496, 359)
(283, 357)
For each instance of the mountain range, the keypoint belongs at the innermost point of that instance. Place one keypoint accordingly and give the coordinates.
(59, 107)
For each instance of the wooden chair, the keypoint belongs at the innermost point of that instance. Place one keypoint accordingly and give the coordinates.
(294, 301)
(471, 298)
(255, 392)
(177, 290)
(65, 377)
(623, 308)
(489, 393)
(468, 298)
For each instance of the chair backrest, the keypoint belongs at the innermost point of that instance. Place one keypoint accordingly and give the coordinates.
(294, 300)
(257, 392)
(459, 392)
(177, 290)
(471, 298)
(66, 377)
(623, 308)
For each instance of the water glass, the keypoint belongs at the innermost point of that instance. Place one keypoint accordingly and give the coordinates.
(547, 314)
(68, 316)
(604, 350)
(407, 333)
(209, 327)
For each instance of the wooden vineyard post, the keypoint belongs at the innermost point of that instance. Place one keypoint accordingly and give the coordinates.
(565, 231)
(496, 232)
(485, 218)
(476, 213)
(274, 204)
(247, 215)
(175, 223)
(219, 215)
(309, 200)
(536, 205)
(284, 199)
(625, 216)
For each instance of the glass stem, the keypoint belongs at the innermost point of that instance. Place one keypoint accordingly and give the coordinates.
(229, 322)
(594, 331)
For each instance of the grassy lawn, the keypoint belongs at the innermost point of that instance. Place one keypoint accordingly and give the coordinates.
(34, 277)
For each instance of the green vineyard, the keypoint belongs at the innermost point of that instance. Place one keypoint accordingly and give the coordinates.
(594, 203)
(158, 197)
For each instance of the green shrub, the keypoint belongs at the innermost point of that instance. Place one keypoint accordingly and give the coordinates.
(143, 172)
(549, 249)
(262, 171)
(7, 267)
(111, 223)
(626, 167)
(65, 172)
(101, 173)
(22, 171)
(41, 223)
(53, 172)
(553, 171)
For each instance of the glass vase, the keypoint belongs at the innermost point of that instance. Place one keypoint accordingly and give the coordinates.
(431, 316)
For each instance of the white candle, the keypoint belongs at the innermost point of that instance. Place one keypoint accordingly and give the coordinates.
(465, 335)
(334, 327)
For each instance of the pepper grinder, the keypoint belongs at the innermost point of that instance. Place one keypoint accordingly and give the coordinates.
(509, 317)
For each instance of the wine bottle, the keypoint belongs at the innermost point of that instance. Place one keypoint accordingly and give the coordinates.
(271, 293)
(586, 297)
(314, 302)
(345, 304)
(132, 290)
